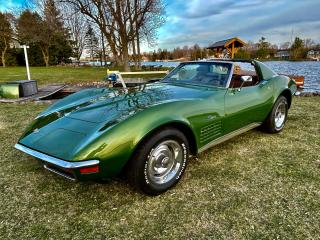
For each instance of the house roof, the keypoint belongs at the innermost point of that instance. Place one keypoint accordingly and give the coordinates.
(226, 42)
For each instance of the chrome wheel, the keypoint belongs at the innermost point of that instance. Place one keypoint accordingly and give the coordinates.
(280, 115)
(164, 162)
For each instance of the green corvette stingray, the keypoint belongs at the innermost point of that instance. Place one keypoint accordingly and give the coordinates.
(150, 131)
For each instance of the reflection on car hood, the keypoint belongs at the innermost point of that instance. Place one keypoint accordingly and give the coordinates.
(101, 105)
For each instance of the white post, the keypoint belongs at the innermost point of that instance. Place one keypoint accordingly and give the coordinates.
(26, 59)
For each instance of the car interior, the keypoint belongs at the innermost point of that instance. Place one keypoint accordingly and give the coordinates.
(213, 76)
(238, 72)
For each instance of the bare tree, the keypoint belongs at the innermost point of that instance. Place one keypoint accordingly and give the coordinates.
(5, 36)
(76, 24)
(120, 22)
(309, 43)
(149, 22)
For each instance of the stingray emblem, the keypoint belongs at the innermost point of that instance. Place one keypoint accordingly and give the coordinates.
(36, 130)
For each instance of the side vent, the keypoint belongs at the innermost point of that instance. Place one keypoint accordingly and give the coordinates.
(210, 132)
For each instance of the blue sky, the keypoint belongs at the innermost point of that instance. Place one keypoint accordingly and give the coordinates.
(11, 4)
(206, 21)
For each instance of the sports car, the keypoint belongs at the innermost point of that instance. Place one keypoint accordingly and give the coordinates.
(149, 132)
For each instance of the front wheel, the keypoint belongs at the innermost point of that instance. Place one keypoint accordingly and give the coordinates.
(159, 161)
(278, 116)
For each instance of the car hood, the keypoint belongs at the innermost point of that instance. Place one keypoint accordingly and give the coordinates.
(102, 105)
(74, 121)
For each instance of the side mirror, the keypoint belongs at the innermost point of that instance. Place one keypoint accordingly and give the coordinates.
(246, 79)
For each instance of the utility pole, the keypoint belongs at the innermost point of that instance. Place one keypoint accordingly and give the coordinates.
(26, 59)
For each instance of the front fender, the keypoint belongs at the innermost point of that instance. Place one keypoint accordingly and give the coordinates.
(115, 146)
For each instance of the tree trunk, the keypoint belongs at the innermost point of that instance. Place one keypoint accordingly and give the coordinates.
(45, 54)
(111, 44)
(3, 59)
(3, 53)
(134, 54)
(138, 50)
(125, 56)
(103, 50)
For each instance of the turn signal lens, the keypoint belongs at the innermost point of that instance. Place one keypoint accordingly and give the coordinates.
(86, 170)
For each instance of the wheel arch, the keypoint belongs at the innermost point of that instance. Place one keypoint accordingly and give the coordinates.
(287, 94)
(182, 127)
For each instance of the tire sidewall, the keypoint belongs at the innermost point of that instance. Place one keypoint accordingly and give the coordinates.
(169, 134)
(279, 101)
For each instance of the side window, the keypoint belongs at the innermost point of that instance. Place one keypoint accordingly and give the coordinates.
(243, 69)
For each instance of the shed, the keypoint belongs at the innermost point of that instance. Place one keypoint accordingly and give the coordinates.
(232, 45)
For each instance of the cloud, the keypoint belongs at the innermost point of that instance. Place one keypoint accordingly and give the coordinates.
(205, 8)
(204, 22)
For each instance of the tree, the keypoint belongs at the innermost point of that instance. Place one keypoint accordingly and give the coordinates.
(242, 54)
(147, 31)
(45, 30)
(76, 24)
(91, 42)
(5, 36)
(309, 43)
(196, 52)
(297, 49)
(120, 22)
(263, 48)
(32, 31)
(53, 29)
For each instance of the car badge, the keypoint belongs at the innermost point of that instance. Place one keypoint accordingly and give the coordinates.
(36, 130)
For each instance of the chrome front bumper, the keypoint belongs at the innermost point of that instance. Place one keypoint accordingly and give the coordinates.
(50, 161)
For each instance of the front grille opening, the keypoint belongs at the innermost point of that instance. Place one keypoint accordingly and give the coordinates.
(61, 172)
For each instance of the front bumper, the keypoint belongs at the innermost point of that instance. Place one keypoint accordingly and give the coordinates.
(64, 168)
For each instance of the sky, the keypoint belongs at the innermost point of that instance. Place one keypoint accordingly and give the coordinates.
(206, 21)
(11, 4)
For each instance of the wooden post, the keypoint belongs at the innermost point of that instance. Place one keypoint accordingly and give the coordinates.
(232, 51)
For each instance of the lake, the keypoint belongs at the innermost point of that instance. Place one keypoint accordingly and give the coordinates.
(310, 70)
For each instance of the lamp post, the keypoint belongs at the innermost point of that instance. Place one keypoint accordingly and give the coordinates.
(26, 59)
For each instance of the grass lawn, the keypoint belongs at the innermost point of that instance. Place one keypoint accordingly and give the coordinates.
(51, 75)
(255, 186)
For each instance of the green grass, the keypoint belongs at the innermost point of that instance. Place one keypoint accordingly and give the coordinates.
(69, 75)
(255, 186)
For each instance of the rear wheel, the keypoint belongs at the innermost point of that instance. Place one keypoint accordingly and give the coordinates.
(159, 161)
(278, 116)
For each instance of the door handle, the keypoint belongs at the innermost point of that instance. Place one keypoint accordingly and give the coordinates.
(265, 83)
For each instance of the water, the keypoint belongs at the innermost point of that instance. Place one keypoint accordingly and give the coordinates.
(163, 64)
(98, 63)
(310, 70)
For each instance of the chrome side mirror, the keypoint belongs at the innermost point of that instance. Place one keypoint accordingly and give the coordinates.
(246, 79)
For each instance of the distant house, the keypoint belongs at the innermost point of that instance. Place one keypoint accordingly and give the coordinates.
(313, 54)
(231, 45)
(282, 54)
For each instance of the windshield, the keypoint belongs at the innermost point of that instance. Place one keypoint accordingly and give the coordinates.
(202, 73)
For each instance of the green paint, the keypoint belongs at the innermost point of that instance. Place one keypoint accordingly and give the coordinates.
(108, 125)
